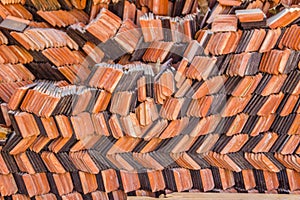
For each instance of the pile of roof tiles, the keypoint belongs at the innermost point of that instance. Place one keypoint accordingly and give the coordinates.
(89, 112)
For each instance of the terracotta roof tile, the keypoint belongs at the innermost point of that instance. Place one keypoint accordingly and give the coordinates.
(271, 181)
(230, 2)
(148, 23)
(16, 10)
(12, 1)
(200, 107)
(90, 182)
(257, 39)
(36, 184)
(99, 195)
(274, 85)
(128, 36)
(14, 54)
(105, 20)
(63, 18)
(222, 118)
(60, 143)
(44, 38)
(288, 40)
(46, 196)
(231, 107)
(193, 49)
(248, 179)
(270, 40)
(266, 109)
(24, 163)
(250, 15)
(3, 39)
(224, 23)
(39, 143)
(63, 183)
(293, 175)
(294, 129)
(52, 162)
(5, 118)
(95, 53)
(265, 144)
(130, 181)
(289, 105)
(8, 184)
(157, 51)
(283, 18)
(74, 195)
(197, 69)
(20, 196)
(247, 85)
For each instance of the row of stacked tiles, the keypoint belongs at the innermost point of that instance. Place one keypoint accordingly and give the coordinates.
(109, 183)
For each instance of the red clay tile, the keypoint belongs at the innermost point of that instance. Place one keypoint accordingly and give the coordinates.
(248, 178)
(23, 160)
(99, 195)
(237, 125)
(291, 145)
(82, 124)
(271, 180)
(227, 178)
(224, 23)
(46, 197)
(266, 143)
(52, 163)
(183, 179)
(235, 144)
(130, 181)
(8, 185)
(271, 105)
(63, 183)
(20, 197)
(23, 145)
(274, 85)
(283, 18)
(71, 196)
(207, 179)
(156, 180)
(293, 178)
(264, 123)
(3, 167)
(235, 105)
(119, 195)
(88, 182)
(110, 180)
(295, 127)
(270, 40)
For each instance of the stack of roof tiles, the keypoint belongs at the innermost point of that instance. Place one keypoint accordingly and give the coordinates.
(88, 111)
